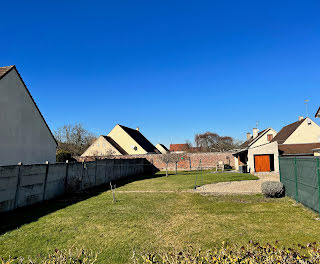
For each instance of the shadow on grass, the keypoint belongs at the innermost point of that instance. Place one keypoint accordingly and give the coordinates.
(25, 215)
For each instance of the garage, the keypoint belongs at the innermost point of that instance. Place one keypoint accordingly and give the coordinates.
(263, 163)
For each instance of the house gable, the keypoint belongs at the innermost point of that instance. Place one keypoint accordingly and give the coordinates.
(263, 139)
(162, 148)
(307, 132)
(24, 135)
(130, 141)
(102, 147)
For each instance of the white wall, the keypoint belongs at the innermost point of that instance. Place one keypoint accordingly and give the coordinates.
(270, 148)
(101, 147)
(305, 133)
(125, 141)
(24, 137)
(264, 139)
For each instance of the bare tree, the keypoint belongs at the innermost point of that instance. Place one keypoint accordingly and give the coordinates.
(176, 158)
(74, 138)
(214, 143)
(166, 158)
(188, 142)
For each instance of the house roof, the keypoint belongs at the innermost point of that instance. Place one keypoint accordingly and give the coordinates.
(318, 113)
(298, 149)
(251, 140)
(140, 139)
(115, 145)
(286, 132)
(4, 71)
(178, 147)
(165, 148)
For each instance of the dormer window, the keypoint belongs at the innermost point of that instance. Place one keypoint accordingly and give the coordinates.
(270, 137)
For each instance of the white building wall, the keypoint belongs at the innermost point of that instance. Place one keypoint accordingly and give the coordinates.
(269, 148)
(264, 139)
(125, 141)
(100, 147)
(305, 133)
(24, 136)
(236, 163)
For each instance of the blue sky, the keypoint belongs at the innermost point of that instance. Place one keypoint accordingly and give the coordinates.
(173, 68)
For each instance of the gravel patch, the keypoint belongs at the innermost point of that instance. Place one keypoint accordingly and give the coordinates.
(239, 187)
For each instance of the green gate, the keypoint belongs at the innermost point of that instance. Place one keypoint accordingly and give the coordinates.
(301, 177)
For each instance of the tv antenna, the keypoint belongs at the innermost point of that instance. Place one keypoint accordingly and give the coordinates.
(257, 124)
(306, 103)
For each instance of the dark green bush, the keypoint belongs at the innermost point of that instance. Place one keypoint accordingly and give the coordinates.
(272, 189)
(63, 156)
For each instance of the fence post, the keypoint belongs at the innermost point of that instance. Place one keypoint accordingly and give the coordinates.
(279, 168)
(296, 177)
(66, 179)
(45, 181)
(95, 172)
(318, 173)
(16, 196)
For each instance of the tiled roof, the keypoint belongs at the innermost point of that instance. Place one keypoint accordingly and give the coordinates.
(140, 139)
(179, 147)
(295, 149)
(251, 140)
(115, 145)
(286, 131)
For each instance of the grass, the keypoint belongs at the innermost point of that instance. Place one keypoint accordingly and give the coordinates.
(183, 180)
(149, 221)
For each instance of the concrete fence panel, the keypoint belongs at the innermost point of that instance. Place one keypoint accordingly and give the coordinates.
(55, 180)
(89, 175)
(109, 170)
(100, 172)
(116, 170)
(131, 167)
(74, 179)
(31, 185)
(8, 187)
(23, 185)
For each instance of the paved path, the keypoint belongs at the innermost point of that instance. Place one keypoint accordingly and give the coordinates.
(238, 187)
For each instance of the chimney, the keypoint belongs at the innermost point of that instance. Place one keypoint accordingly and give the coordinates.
(138, 129)
(255, 132)
(300, 118)
(248, 135)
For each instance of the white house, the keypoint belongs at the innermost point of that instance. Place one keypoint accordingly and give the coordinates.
(24, 134)
(121, 140)
(261, 150)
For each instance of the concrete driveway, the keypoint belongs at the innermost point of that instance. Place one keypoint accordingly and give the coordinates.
(239, 187)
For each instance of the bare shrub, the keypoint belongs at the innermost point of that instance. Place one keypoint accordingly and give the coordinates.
(272, 189)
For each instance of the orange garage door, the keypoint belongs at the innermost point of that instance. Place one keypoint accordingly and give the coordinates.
(262, 163)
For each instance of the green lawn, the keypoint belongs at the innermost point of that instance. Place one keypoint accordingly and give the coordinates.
(182, 181)
(149, 221)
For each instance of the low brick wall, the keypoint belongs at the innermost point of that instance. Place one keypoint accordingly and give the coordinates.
(208, 160)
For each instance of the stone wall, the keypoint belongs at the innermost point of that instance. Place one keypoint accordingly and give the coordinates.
(208, 160)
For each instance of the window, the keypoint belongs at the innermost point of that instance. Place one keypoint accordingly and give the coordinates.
(270, 137)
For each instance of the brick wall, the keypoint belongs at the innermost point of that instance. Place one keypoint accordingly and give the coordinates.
(208, 160)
